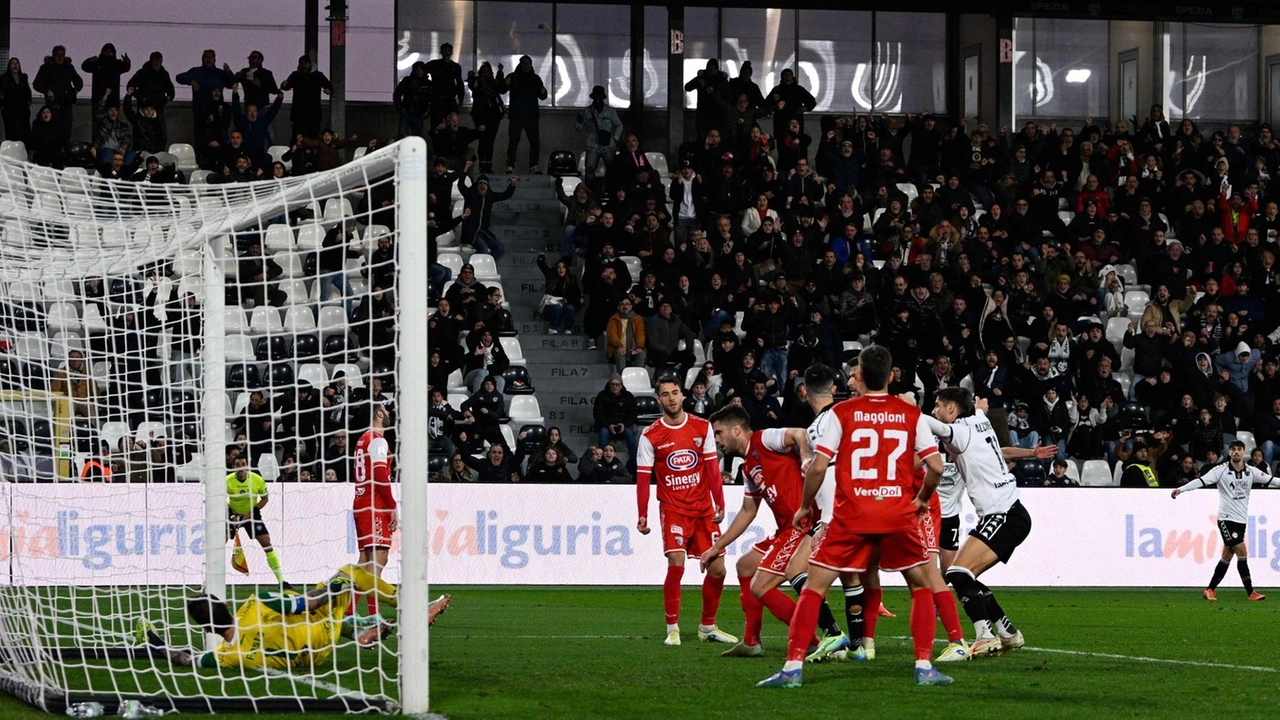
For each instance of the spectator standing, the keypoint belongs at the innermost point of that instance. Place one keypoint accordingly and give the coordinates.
(526, 90)
(149, 132)
(259, 85)
(446, 85)
(254, 124)
(15, 102)
(112, 133)
(412, 98)
(105, 69)
(791, 101)
(152, 85)
(601, 128)
(206, 81)
(307, 85)
(710, 84)
(59, 83)
(46, 144)
(487, 109)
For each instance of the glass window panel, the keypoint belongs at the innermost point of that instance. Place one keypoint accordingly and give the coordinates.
(593, 48)
(424, 26)
(1068, 75)
(911, 62)
(699, 45)
(835, 55)
(1214, 70)
(507, 30)
(656, 49)
(766, 37)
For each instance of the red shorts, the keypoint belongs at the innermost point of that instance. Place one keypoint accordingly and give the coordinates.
(850, 552)
(779, 549)
(373, 528)
(687, 534)
(930, 527)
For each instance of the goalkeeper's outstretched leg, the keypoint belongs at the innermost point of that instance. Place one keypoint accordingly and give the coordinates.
(258, 635)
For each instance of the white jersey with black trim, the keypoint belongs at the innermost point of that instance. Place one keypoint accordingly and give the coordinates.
(950, 487)
(1233, 488)
(974, 448)
(826, 497)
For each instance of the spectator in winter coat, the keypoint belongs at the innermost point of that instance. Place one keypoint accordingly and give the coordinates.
(486, 109)
(1235, 367)
(113, 132)
(254, 123)
(601, 129)
(498, 466)
(149, 132)
(614, 412)
(446, 85)
(105, 69)
(48, 144)
(259, 85)
(151, 84)
(526, 90)
(59, 83)
(412, 98)
(305, 112)
(15, 102)
(207, 81)
(478, 214)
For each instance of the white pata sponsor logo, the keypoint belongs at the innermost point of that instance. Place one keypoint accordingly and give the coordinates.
(884, 491)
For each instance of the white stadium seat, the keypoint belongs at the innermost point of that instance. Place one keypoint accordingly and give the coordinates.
(1096, 473)
(355, 379)
(636, 381)
(486, 269)
(149, 431)
(525, 410)
(514, 351)
(112, 432)
(266, 321)
(313, 373)
(186, 156)
(279, 237)
(234, 322)
(299, 319)
(310, 236)
(239, 349)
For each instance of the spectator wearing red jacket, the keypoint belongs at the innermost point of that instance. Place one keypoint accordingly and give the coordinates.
(1235, 213)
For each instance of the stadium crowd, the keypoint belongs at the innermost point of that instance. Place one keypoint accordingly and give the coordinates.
(1110, 289)
(132, 400)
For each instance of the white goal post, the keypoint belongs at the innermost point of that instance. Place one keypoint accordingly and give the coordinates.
(156, 339)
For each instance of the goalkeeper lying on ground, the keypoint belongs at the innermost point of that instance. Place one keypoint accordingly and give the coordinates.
(284, 630)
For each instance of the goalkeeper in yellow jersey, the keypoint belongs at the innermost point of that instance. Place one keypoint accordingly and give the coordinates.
(246, 496)
(282, 630)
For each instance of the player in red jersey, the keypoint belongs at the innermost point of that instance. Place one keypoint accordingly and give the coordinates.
(679, 453)
(772, 460)
(374, 508)
(875, 440)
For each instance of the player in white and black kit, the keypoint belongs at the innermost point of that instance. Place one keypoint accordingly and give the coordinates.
(951, 495)
(1003, 523)
(819, 381)
(1235, 479)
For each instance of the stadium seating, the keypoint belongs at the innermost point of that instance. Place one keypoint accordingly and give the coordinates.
(1247, 438)
(1096, 473)
(485, 268)
(186, 155)
(636, 381)
(524, 410)
(514, 352)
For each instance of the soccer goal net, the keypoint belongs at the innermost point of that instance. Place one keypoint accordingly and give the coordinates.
(161, 347)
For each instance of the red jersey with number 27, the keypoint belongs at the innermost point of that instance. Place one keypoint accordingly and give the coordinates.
(874, 440)
(682, 460)
(373, 473)
(772, 473)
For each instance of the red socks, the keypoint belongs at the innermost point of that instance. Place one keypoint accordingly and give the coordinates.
(753, 610)
(671, 593)
(372, 600)
(780, 604)
(871, 611)
(804, 622)
(923, 623)
(712, 589)
(946, 604)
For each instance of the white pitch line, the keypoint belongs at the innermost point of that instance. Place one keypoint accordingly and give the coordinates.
(1053, 651)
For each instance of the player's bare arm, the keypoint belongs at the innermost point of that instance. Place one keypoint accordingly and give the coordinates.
(746, 514)
(932, 476)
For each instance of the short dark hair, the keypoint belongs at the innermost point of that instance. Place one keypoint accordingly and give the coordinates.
(819, 379)
(209, 612)
(668, 379)
(732, 414)
(958, 395)
(876, 364)
(1237, 444)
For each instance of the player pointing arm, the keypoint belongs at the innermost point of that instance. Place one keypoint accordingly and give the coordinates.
(1234, 480)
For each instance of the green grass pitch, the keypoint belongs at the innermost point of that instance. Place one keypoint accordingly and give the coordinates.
(598, 652)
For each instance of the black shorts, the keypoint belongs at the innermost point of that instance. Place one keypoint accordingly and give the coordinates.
(1004, 532)
(950, 539)
(1232, 532)
(253, 524)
